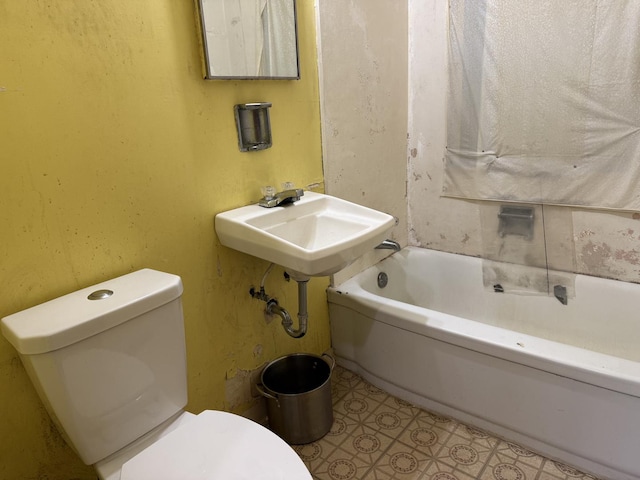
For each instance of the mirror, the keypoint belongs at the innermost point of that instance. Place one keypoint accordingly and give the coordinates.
(249, 39)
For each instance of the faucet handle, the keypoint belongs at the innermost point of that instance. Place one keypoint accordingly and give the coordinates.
(268, 192)
(288, 186)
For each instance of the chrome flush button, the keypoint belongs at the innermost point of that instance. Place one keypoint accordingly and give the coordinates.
(100, 294)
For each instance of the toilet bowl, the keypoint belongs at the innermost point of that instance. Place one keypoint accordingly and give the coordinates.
(211, 445)
(109, 363)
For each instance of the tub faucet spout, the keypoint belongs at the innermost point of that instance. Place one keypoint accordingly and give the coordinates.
(389, 245)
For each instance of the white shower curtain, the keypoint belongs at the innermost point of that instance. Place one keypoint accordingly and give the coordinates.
(235, 36)
(544, 102)
(280, 52)
(251, 38)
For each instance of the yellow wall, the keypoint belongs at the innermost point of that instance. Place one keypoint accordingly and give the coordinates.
(115, 155)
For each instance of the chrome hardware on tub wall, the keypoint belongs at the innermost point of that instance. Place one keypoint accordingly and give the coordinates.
(560, 292)
(516, 221)
(389, 245)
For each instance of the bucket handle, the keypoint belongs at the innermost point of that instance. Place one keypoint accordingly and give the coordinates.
(332, 365)
(266, 394)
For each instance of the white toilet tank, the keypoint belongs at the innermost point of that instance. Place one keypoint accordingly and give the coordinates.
(109, 369)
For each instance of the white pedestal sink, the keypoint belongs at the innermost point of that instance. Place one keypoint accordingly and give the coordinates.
(317, 235)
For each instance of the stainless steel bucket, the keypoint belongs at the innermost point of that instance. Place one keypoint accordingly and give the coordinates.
(298, 392)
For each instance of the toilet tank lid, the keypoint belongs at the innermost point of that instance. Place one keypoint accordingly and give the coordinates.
(71, 318)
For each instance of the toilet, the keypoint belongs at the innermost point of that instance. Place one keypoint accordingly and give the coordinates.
(109, 363)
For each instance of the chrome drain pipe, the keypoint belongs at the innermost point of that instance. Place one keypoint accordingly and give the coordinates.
(303, 315)
(274, 308)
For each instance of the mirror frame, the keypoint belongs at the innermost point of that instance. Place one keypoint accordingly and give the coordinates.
(207, 63)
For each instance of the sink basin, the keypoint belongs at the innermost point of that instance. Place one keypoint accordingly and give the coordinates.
(316, 236)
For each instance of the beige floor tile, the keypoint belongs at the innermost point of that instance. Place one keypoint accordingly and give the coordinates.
(442, 471)
(338, 391)
(367, 444)
(401, 406)
(441, 421)
(389, 420)
(373, 474)
(342, 382)
(552, 470)
(356, 406)
(315, 455)
(376, 436)
(424, 436)
(504, 467)
(340, 465)
(371, 391)
(466, 454)
(345, 377)
(401, 462)
(342, 429)
(509, 450)
(476, 435)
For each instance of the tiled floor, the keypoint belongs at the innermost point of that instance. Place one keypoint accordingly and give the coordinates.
(376, 436)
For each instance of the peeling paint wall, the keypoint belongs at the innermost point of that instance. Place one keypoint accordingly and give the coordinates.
(592, 242)
(608, 244)
(363, 79)
(116, 155)
(363, 85)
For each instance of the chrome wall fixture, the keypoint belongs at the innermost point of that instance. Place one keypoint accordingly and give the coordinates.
(254, 127)
(516, 220)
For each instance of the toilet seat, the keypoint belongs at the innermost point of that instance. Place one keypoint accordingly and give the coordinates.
(217, 445)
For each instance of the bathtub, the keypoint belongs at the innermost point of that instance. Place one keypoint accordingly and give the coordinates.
(563, 380)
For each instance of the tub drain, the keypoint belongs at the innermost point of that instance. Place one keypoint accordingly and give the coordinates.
(383, 279)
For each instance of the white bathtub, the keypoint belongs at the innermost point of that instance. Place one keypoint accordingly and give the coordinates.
(563, 380)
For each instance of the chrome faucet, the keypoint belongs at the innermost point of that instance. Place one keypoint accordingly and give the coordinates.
(389, 245)
(285, 197)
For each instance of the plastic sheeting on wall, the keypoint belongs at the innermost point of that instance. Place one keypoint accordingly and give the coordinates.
(533, 264)
(544, 102)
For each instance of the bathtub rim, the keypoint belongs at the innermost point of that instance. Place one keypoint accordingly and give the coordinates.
(594, 368)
